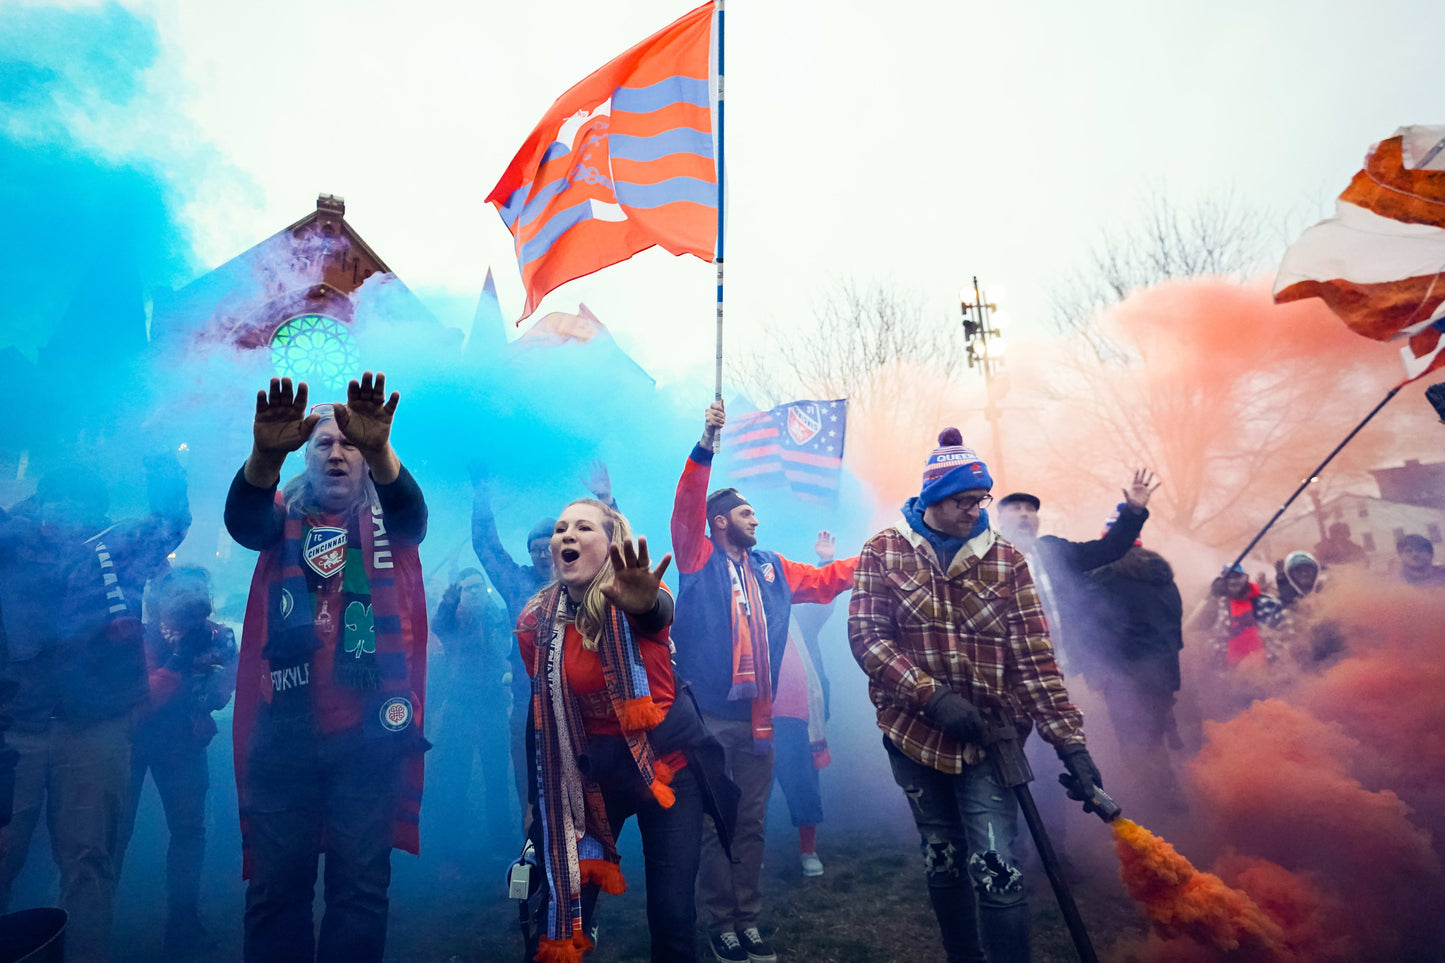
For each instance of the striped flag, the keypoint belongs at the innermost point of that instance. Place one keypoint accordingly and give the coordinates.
(799, 444)
(1379, 263)
(623, 161)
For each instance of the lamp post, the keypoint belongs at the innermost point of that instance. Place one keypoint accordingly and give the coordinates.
(982, 324)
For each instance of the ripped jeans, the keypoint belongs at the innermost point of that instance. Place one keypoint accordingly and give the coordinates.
(968, 824)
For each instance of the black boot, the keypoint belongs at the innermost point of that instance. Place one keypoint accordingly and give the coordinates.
(958, 920)
(1005, 933)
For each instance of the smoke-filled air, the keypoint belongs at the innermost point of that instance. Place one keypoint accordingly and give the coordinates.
(385, 576)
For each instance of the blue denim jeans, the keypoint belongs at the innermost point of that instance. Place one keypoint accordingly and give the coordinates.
(968, 824)
(794, 770)
(311, 794)
(671, 850)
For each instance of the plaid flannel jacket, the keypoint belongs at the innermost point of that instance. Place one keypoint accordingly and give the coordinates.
(976, 627)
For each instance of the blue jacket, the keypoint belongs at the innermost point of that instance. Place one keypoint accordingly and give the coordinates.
(702, 630)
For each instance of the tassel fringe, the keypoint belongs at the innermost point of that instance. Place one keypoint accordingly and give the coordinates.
(561, 951)
(604, 873)
(640, 715)
(661, 786)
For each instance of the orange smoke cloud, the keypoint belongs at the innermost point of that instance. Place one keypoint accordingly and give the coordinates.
(1230, 398)
(1387, 693)
(1275, 782)
(1185, 902)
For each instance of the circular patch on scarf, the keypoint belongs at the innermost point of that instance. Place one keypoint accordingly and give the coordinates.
(287, 604)
(395, 714)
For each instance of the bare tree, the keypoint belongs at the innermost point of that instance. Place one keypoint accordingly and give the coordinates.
(857, 337)
(1217, 237)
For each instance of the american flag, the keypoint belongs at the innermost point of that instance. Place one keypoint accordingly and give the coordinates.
(1379, 263)
(799, 444)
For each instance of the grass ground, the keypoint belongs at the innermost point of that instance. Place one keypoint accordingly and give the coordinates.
(870, 906)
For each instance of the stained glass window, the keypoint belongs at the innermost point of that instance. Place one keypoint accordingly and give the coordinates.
(318, 350)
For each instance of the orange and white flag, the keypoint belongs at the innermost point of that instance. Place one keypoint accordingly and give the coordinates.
(1379, 263)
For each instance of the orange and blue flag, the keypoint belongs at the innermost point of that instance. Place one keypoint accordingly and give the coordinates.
(623, 161)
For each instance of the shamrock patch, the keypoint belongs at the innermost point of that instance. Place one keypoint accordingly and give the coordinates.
(360, 631)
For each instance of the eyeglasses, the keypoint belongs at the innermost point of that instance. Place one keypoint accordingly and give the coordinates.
(969, 504)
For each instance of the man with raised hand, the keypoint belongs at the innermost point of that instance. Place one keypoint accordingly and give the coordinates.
(329, 703)
(734, 601)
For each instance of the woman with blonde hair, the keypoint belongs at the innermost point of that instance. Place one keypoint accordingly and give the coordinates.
(596, 644)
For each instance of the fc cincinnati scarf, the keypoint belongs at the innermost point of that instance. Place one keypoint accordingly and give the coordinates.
(394, 708)
(752, 665)
(578, 846)
(325, 596)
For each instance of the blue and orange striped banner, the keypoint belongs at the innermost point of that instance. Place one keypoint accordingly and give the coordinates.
(623, 161)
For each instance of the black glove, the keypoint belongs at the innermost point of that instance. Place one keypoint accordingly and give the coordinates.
(1081, 767)
(956, 716)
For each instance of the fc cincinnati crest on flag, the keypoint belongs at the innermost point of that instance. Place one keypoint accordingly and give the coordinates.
(803, 423)
(325, 550)
(799, 444)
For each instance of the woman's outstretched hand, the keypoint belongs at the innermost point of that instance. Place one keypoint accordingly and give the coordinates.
(635, 583)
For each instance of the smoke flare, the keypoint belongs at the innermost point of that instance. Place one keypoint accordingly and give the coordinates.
(1182, 901)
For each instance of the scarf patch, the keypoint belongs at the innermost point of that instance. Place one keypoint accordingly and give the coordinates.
(325, 550)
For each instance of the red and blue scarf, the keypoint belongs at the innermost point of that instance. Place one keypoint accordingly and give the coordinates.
(368, 665)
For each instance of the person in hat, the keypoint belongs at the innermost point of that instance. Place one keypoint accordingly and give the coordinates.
(946, 622)
(1316, 641)
(1233, 614)
(328, 733)
(1059, 565)
(734, 603)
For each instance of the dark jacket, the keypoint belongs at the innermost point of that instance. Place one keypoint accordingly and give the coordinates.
(189, 679)
(1141, 618)
(1059, 566)
(72, 612)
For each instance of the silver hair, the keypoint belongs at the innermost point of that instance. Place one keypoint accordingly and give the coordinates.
(298, 495)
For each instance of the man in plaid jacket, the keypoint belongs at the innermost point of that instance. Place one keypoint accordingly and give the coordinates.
(947, 623)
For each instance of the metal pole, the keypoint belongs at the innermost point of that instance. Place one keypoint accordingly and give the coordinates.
(1011, 768)
(1314, 476)
(1050, 862)
(721, 180)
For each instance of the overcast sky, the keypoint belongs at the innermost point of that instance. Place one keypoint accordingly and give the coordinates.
(910, 142)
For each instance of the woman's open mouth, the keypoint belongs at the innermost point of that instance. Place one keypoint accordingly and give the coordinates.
(570, 555)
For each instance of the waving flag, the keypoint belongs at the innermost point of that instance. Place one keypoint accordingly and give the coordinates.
(1379, 263)
(799, 444)
(623, 161)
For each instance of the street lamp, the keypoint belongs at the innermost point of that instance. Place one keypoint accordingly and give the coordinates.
(982, 324)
